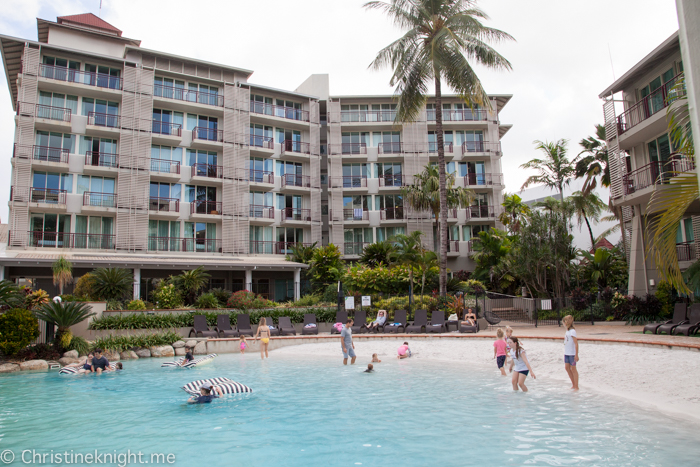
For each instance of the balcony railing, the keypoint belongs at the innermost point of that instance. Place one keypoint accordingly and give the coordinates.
(481, 146)
(390, 148)
(367, 115)
(476, 179)
(391, 180)
(296, 214)
(433, 147)
(49, 112)
(349, 149)
(354, 249)
(261, 176)
(263, 247)
(659, 99)
(298, 180)
(101, 80)
(355, 214)
(69, 240)
(350, 181)
(165, 166)
(191, 245)
(100, 119)
(392, 214)
(483, 212)
(262, 212)
(453, 246)
(101, 159)
(289, 145)
(166, 128)
(656, 173)
(265, 142)
(208, 134)
(451, 213)
(284, 248)
(459, 115)
(182, 94)
(164, 204)
(205, 207)
(207, 170)
(39, 195)
(102, 200)
(41, 153)
(685, 251)
(279, 111)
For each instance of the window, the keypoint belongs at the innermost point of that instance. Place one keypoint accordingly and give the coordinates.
(386, 233)
(354, 175)
(660, 149)
(450, 167)
(390, 205)
(166, 87)
(202, 94)
(285, 167)
(685, 231)
(49, 230)
(261, 200)
(261, 105)
(261, 136)
(53, 105)
(53, 146)
(471, 141)
(207, 127)
(104, 76)
(94, 184)
(49, 187)
(287, 237)
(390, 174)
(448, 140)
(204, 198)
(104, 113)
(164, 235)
(165, 190)
(383, 112)
(290, 140)
(355, 142)
(655, 102)
(288, 109)
(356, 207)
(291, 206)
(356, 113)
(205, 163)
(261, 240)
(472, 231)
(260, 169)
(200, 237)
(390, 142)
(355, 240)
(99, 151)
(62, 69)
(475, 172)
(167, 122)
(94, 232)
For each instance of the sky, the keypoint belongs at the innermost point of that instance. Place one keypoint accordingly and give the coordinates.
(564, 54)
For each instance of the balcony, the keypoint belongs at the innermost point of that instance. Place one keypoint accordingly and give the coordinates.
(349, 181)
(207, 171)
(483, 212)
(390, 148)
(284, 248)
(93, 199)
(166, 128)
(656, 173)
(483, 179)
(371, 116)
(658, 100)
(262, 142)
(460, 115)
(69, 240)
(355, 214)
(453, 247)
(354, 249)
(348, 149)
(41, 154)
(203, 207)
(213, 135)
(296, 214)
(289, 113)
(451, 215)
(100, 162)
(186, 95)
(48, 112)
(298, 147)
(296, 181)
(86, 78)
(685, 251)
(481, 147)
(392, 214)
(164, 207)
(103, 120)
(164, 169)
(46, 197)
(263, 247)
(187, 245)
(259, 211)
(391, 181)
(262, 176)
(433, 147)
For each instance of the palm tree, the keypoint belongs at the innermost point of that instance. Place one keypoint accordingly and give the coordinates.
(592, 162)
(492, 247)
(64, 315)
(587, 208)
(301, 253)
(425, 262)
(442, 38)
(514, 212)
(407, 250)
(377, 253)
(62, 272)
(598, 265)
(192, 281)
(10, 295)
(555, 170)
(112, 283)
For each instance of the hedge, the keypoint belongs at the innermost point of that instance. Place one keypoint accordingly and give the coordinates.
(121, 343)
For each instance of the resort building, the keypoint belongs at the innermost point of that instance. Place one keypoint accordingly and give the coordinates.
(642, 158)
(130, 157)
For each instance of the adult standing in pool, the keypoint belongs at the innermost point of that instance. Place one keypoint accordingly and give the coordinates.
(347, 344)
(264, 333)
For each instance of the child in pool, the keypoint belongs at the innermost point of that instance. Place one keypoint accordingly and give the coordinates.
(188, 356)
(243, 345)
(509, 333)
(370, 368)
(206, 395)
(499, 351)
(520, 364)
(571, 351)
(375, 358)
(404, 351)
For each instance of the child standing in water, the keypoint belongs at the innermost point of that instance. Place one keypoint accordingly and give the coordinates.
(520, 364)
(404, 351)
(244, 344)
(571, 351)
(499, 351)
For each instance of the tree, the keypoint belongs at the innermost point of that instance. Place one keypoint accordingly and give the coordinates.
(587, 208)
(599, 266)
(426, 261)
(377, 253)
(325, 266)
(64, 315)
(191, 282)
(514, 212)
(112, 283)
(490, 249)
(592, 162)
(62, 273)
(442, 38)
(407, 251)
(555, 170)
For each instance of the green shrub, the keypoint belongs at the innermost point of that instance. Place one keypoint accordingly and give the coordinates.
(80, 345)
(36, 299)
(307, 300)
(114, 305)
(39, 352)
(330, 293)
(207, 301)
(84, 287)
(18, 327)
(663, 293)
(167, 296)
(222, 295)
(401, 303)
(136, 305)
(121, 343)
(245, 300)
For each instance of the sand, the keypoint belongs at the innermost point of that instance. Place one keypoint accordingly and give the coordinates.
(651, 377)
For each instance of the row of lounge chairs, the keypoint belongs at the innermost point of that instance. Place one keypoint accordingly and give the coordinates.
(683, 323)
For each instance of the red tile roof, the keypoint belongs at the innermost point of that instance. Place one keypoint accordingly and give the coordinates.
(602, 243)
(89, 20)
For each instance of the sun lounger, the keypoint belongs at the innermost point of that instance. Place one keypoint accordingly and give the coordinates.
(419, 323)
(226, 385)
(464, 328)
(286, 327)
(243, 324)
(223, 326)
(200, 328)
(72, 370)
(340, 317)
(198, 361)
(273, 330)
(679, 311)
(360, 321)
(437, 322)
(399, 323)
(309, 318)
(693, 325)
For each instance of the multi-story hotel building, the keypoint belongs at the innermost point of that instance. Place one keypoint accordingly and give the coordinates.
(130, 157)
(643, 160)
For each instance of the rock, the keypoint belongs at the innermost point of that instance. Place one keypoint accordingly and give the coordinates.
(200, 348)
(128, 355)
(68, 361)
(71, 354)
(180, 351)
(34, 365)
(143, 353)
(111, 355)
(191, 343)
(162, 351)
(8, 368)
(178, 344)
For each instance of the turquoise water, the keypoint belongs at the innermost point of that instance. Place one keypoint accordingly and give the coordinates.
(308, 412)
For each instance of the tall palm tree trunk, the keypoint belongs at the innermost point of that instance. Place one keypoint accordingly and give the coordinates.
(590, 231)
(443, 187)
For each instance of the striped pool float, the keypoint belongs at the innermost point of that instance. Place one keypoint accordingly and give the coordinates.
(71, 370)
(226, 385)
(192, 364)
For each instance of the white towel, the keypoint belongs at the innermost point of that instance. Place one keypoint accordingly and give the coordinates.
(358, 213)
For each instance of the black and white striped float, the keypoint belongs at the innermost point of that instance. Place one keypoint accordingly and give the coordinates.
(196, 362)
(226, 385)
(71, 370)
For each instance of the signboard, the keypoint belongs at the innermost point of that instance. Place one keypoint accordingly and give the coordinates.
(546, 304)
(366, 300)
(349, 303)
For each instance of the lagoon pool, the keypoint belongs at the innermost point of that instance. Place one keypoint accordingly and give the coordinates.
(310, 412)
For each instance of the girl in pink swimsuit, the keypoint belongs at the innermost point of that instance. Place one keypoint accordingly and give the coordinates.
(244, 344)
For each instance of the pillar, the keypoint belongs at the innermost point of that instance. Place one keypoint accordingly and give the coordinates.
(2, 273)
(297, 284)
(137, 283)
(249, 279)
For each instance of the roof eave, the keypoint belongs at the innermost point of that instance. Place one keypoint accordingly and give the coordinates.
(190, 59)
(43, 30)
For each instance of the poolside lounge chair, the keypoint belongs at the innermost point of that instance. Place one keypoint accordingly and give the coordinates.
(360, 321)
(399, 317)
(679, 311)
(437, 322)
(309, 318)
(223, 326)
(200, 328)
(419, 323)
(273, 330)
(464, 328)
(243, 324)
(286, 327)
(340, 317)
(693, 325)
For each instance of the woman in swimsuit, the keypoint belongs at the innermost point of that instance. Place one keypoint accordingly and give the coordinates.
(469, 318)
(264, 333)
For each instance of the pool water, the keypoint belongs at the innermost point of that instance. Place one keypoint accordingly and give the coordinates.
(314, 411)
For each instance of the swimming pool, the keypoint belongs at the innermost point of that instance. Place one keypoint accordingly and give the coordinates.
(316, 412)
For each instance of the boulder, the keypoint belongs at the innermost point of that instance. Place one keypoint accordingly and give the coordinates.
(200, 348)
(180, 351)
(178, 344)
(191, 343)
(111, 355)
(34, 365)
(71, 354)
(8, 367)
(68, 361)
(143, 353)
(162, 351)
(128, 355)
